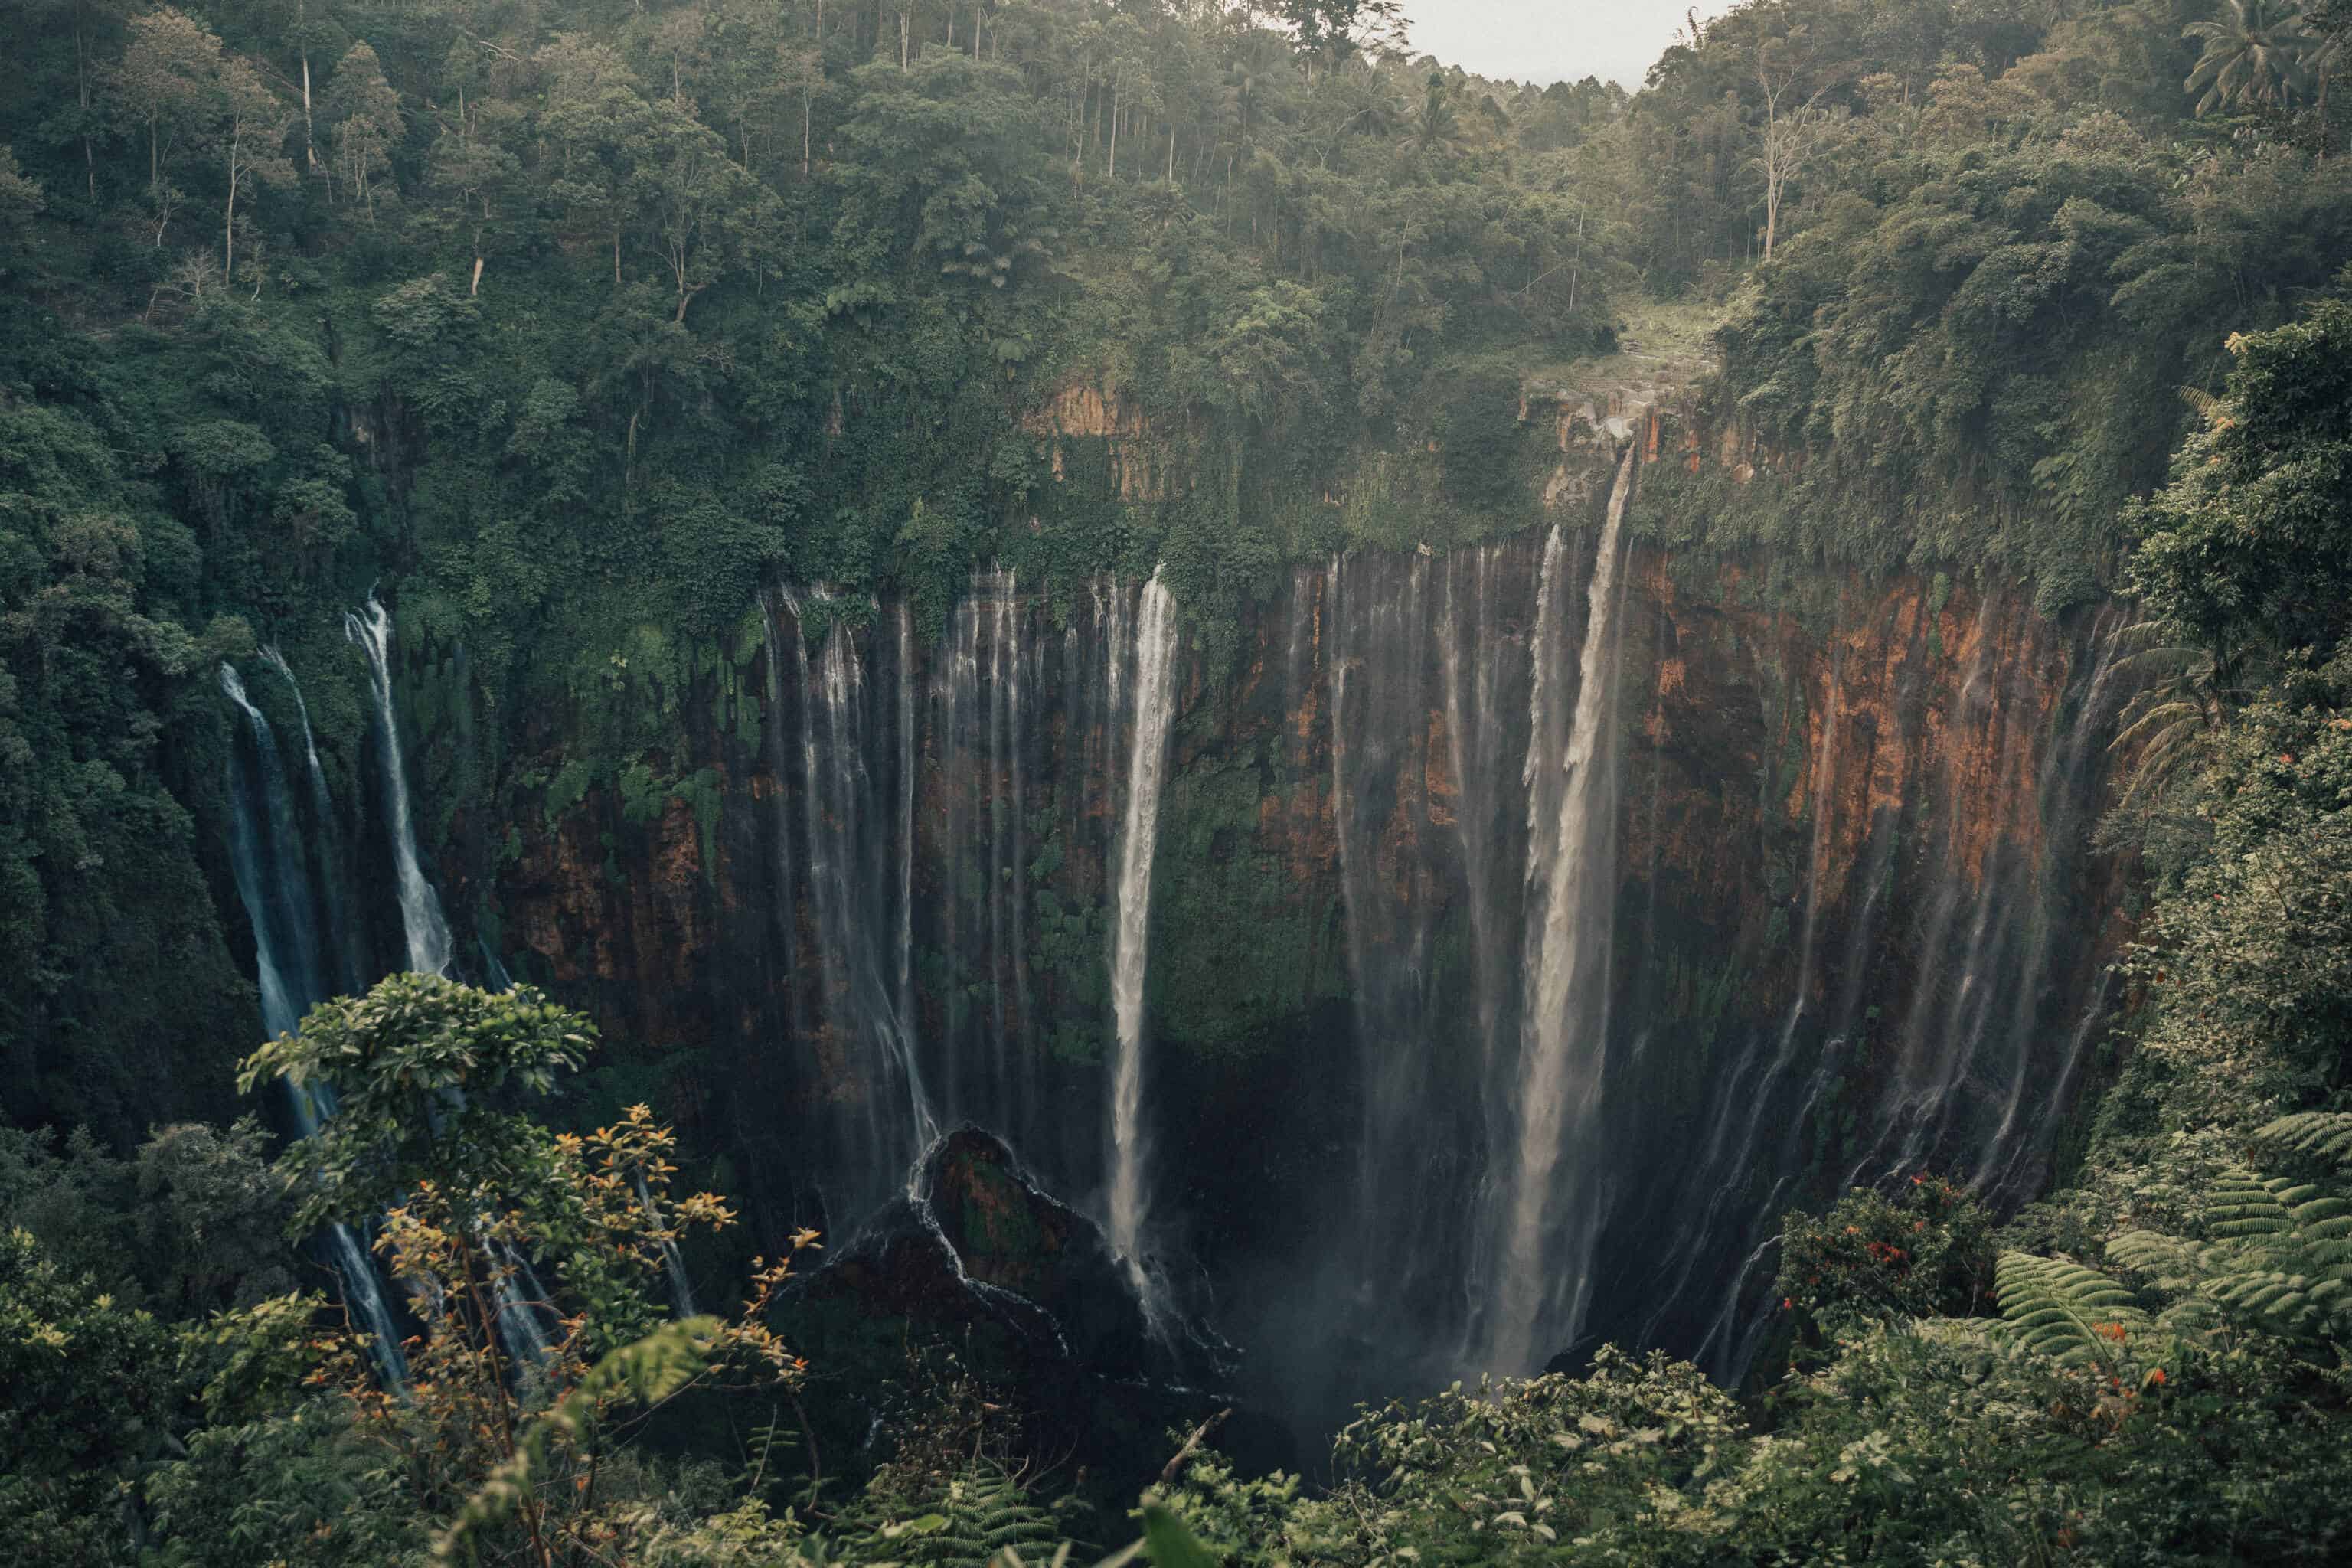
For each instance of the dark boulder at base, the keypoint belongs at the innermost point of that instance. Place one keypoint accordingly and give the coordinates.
(1011, 1235)
(1027, 1289)
(977, 1245)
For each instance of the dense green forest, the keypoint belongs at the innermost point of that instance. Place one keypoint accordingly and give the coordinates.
(582, 320)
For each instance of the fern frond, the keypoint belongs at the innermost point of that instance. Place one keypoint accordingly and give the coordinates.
(2169, 1262)
(2243, 1204)
(2158, 720)
(2323, 1135)
(2166, 658)
(2075, 1315)
(981, 1515)
(2143, 634)
(2207, 408)
(2290, 1270)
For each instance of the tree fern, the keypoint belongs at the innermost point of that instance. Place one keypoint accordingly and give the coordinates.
(2075, 1315)
(2243, 1205)
(2180, 704)
(2322, 1135)
(2294, 1278)
(2167, 1262)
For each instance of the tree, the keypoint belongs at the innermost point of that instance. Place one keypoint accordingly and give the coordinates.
(2254, 54)
(1339, 28)
(511, 1382)
(1436, 126)
(169, 84)
(88, 1382)
(599, 124)
(1792, 131)
(2248, 549)
(251, 140)
(363, 114)
(21, 199)
(702, 205)
(480, 181)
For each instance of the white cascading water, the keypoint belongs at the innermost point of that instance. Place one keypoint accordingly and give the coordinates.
(1154, 685)
(265, 855)
(859, 997)
(907, 819)
(342, 927)
(424, 930)
(1548, 1226)
(681, 1291)
(421, 921)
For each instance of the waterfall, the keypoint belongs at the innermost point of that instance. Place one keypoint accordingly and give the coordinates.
(905, 817)
(681, 1292)
(421, 919)
(342, 926)
(426, 932)
(1154, 685)
(2012, 1152)
(1549, 1225)
(266, 859)
(885, 1120)
(1749, 1100)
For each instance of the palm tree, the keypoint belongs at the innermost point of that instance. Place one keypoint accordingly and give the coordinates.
(1436, 129)
(2256, 53)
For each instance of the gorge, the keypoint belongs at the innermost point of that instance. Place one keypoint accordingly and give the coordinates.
(1542, 916)
(947, 784)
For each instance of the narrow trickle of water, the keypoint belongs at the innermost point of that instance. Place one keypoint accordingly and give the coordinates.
(681, 1291)
(421, 921)
(1748, 1100)
(1550, 1220)
(2014, 1148)
(1154, 685)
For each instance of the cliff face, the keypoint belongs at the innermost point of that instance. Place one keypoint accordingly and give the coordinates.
(1848, 925)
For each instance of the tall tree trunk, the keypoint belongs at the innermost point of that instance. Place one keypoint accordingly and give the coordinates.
(1114, 130)
(82, 97)
(1171, 151)
(805, 90)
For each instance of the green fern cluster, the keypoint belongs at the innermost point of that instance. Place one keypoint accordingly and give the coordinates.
(2321, 1135)
(2277, 1257)
(2295, 1277)
(2075, 1315)
(967, 1520)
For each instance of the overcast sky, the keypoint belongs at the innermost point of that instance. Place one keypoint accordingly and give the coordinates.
(1551, 40)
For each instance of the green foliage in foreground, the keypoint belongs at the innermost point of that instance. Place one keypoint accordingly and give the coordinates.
(257, 1428)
